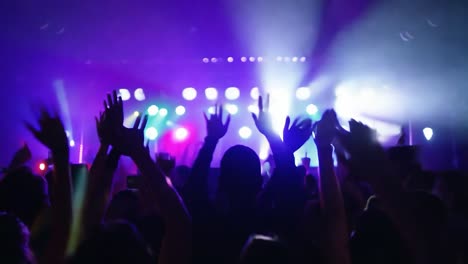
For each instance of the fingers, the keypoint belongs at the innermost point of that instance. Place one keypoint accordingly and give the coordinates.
(286, 125)
(206, 117)
(109, 100)
(33, 130)
(228, 121)
(220, 113)
(145, 121)
(255, 118)
(105, 105)
(137, 122)
(260, 104)
(115, 101)
(267, 104)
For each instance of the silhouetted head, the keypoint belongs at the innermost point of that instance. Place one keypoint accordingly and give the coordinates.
(117, 242)
(125, 205)
(240, 176)
(14, 240)
(23, 194)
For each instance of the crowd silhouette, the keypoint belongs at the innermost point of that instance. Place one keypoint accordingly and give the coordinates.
(375, 206)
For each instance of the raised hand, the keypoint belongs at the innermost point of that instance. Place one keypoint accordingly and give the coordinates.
(109, 123)
(263, 120)
(131, 140)
(21, 156)
(325, 129)
(215, 127)
(298, 134)
(114, 108)
(51, 133)
(360, 136)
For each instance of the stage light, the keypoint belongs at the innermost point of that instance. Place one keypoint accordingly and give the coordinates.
(214, 60)
(124, 94)
(180, 110)
(251, 59)
(230, 59)
(72, 143)
(163, 112)
(428, 133)
(255, 93)
(303, 93)
(206, 60)
(253, 109)
(259, 59)
(139, 94)
(181, 133)
(302, 59)
(153, 110)
(212, 110)
(243, 59)
(232, 109)
(245, 132)
(311, 109)
(151, 133)
(189, 93)
(232, 93)
(294, 59)
(136, 114)
(279, 58)
(211, 93)
(42, 166)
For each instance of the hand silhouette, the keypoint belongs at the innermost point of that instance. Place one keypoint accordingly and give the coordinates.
(298, 134)
(325, 129)
(21, 156)
(214, 125)
(263, 120)
(51, 132)
(131, 140)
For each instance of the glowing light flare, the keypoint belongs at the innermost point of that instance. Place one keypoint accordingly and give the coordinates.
(42, 166)
(181, 133)
(124, 94)
(139, 94)
(211, 93)
(232, 109)
(245, 132)
(255, 93)
(163, 112)
(136, 114)
(253, 109)
(72, 143)
(230, 59)
(205, 60)
(428, 133)
(189, 93)
(153, 110)
(151, 133)
(243, 59)
(180, 110)
(303, 93)
(232, 93)
(312, 109)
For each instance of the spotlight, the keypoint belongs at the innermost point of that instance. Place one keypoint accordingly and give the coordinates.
(259, 59)
(211, 93)
(245, 132)
(124, 94)
(189, 93)
(232, 93)
(72, 143)
(428, 133)
(163, 112)
(294, 59)
(302, 59)
(151, 133)
(311, 109)
(255, 93)
(180, 110)
(181, 133)
(136, 113)
(251, 59)
(243, 59)
(232, 109)
(206, 60)
(303, 93)
(139, 94)
(212, 110)
(153, 110)
(279, 58)
(42, 166)
(214, 60)
(230, 59)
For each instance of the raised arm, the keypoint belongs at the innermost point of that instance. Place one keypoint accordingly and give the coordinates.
(334, 232)
(196, 189)
(51, 134)
(177, 241)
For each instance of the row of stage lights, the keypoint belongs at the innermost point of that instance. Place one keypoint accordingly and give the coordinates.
(254, 59)
(233, 93)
